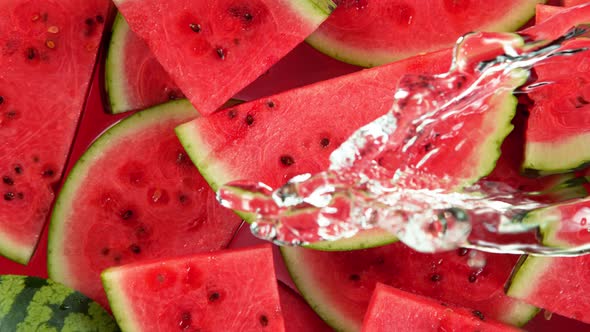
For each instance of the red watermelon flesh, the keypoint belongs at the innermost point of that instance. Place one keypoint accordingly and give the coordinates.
(205, 292)
(339, 284)
(135, 80)
(48, 50)
(297, 314)
(558, 284)
(572, 3)
(542, 12)
(134, 195)
(391, 309)
(213, 49)
(375, 32)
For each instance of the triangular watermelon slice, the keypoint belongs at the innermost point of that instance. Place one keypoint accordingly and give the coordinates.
(47, 54)
(213, 49)
(392, 309)
(223, 291)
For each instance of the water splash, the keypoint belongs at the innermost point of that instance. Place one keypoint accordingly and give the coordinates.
(428, 210)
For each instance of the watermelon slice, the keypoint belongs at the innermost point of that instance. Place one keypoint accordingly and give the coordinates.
(391, 309)
(338, 285)
(206, 292)
(134, 79)
(371, 32)
(134, 195)
(47, 55)
(542, 12)
(557, 136)
(35, 304)
(297, 314)
(558, 284)
(213, 49)
(298, 130)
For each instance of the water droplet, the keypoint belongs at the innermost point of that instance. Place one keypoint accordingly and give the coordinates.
(476, 260)
(547, 314)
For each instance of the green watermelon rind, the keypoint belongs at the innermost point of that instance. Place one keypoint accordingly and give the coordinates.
(111, 281)
(547, 221)
(180, 109)
(216, 174)
(357, 56)
(15, 251)
(25, 304)
(525, 276)
(115, 80)
(557, 156)
(315, 11)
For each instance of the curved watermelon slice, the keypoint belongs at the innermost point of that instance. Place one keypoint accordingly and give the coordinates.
(213, 49)
(47, 54)
(35, 304)
(391, 309)
(297, 314)
(134, 79)
(206, 292)
(374, 32)
(257, 140)
(134, 195)
(557, 284)
(558, 135)
(338, 285)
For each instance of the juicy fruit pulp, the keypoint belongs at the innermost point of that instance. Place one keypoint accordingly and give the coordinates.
(213, 49)
(339, 285)
(374, 32)
(47, 54)
(35, 304)
(135, 80)
(394, 310)
(298, 316)
(208, 292)
(132, 196)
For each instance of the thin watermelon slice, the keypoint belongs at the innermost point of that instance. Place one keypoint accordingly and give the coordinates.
(392, 309)
(557, 136)
(338, 285)
(47, 55)
(134, 195)
(275, 138)
(213, 49)
(206, 292)
(35, 304)
(297, 314)
(557, 284)
(134, 79)
(374, 32)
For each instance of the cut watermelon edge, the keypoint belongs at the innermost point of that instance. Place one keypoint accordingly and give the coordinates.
(556, 157)
(115, 82)
(111, 281)
(56, 267)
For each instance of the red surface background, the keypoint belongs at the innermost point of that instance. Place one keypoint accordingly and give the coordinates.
(302, 66)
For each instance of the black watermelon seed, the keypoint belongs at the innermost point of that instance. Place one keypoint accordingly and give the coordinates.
(31, 53)
(9, 196)
(48, 173)
(324, 142)
(232, 114)
(287, 160)
(472, 278)
(7, 180)
(436, 277)
(478, 314)
(263, 320)
(185, 320)
(11, 114)
(220, 53)
(354, 277)
(214, 296)
(195, 27)
(18, 169)
(99, 19)
(182, 198)
(180, 158)
(249, 119)
(127, 214)
(1, 100)
(135, 249)
(248, 17)
(428, 147)
(105, 251)
(89, 21)
(270, 104)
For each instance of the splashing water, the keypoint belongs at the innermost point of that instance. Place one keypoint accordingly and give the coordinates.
(429, 211)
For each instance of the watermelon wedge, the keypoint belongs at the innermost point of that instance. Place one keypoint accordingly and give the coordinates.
(206, 292)
(35, 304)
(134, 79)
(391, 309)
(338, 285)
(557, 284)
(374, 32)
(297, 314)
(213, 49)
(48, 51)
(134, 195)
